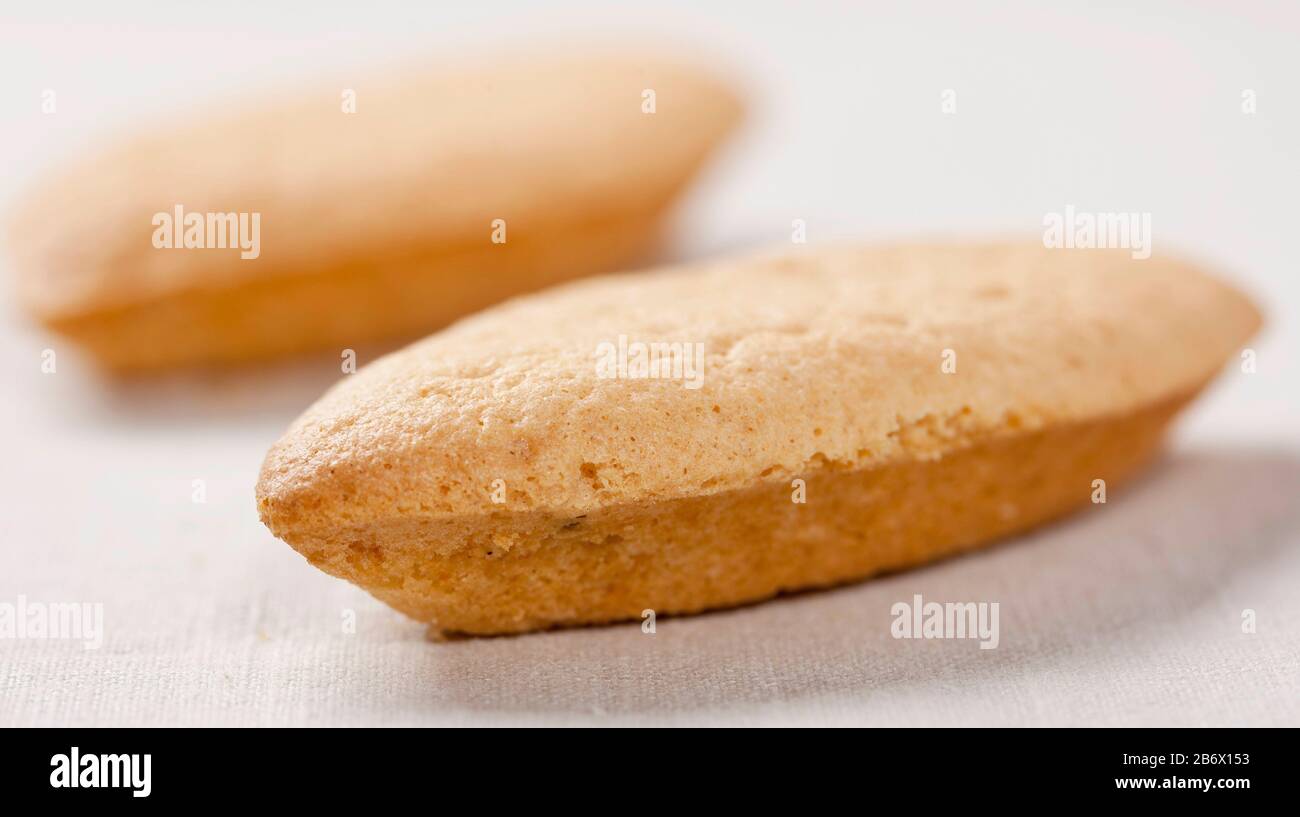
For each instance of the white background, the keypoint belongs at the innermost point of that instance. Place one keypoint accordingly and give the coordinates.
(1127, 614)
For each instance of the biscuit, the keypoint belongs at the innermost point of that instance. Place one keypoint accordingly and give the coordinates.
(924, 400)
(443, 191)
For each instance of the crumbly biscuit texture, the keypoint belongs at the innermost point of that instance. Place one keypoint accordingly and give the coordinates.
(822, 360)
(522, 571)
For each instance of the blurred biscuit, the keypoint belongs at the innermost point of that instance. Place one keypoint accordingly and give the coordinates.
(377, 224)
(927, 398)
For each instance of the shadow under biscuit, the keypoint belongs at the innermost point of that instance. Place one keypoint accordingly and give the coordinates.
(1167, 549)
(272, 392)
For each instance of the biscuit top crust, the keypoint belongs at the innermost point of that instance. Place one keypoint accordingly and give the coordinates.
(430, 158)
(828, 359)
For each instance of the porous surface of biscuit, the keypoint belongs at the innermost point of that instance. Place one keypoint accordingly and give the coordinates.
(376, 224)
(931, 397)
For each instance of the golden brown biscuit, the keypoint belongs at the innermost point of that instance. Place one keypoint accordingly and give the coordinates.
(492, 478)
(381, 223)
